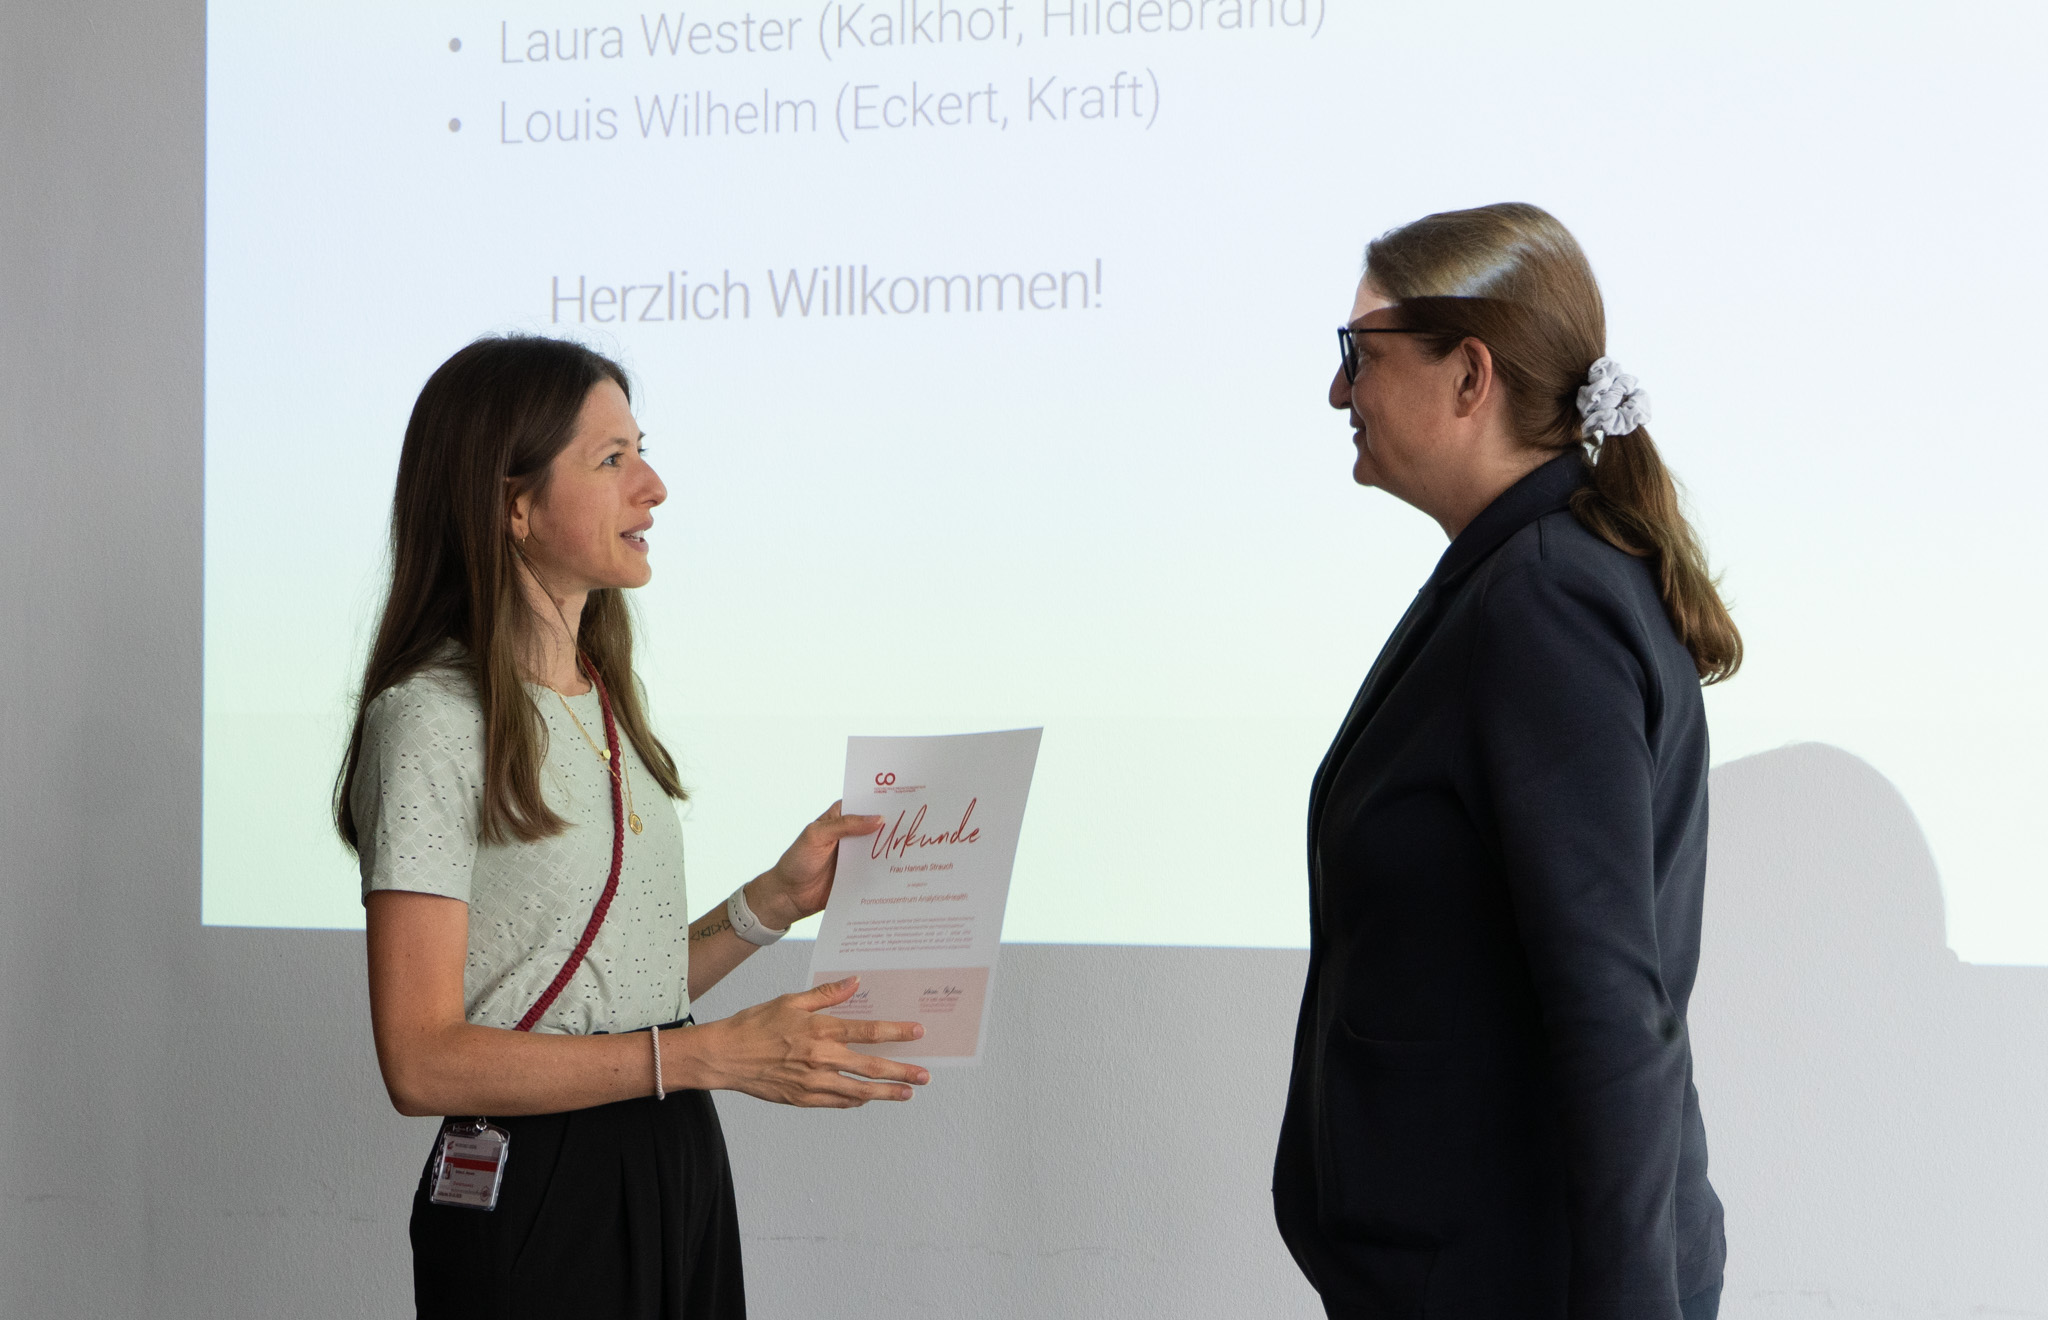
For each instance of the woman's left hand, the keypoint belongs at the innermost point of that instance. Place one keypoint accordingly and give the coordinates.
(798, 884)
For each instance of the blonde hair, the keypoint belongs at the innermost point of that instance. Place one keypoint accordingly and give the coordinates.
(1511, 276)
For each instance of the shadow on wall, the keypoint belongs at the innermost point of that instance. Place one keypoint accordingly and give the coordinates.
(1877, 1111)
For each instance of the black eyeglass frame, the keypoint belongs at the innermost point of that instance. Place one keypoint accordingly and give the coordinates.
(1349, 348)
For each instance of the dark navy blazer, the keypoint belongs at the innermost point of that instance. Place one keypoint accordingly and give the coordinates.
(1492, 1110)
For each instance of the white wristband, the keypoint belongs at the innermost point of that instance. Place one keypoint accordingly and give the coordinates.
(748, 926)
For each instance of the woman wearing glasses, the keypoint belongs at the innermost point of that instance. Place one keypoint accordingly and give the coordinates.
(531, 962)
(1492, 1110)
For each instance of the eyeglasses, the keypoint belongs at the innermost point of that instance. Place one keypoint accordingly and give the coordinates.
(1347, 342)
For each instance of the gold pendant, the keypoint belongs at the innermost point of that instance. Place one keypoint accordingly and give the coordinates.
(604, 753)
(634, 821)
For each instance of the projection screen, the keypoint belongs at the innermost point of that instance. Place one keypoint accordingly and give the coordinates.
(983, 348)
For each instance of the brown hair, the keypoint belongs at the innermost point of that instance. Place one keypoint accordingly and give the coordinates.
(486, 427)
(1515, 279)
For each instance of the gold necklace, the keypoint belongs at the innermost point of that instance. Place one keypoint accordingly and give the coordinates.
(604, 754)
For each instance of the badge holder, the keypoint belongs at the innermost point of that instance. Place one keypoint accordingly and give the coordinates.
(469, 1164)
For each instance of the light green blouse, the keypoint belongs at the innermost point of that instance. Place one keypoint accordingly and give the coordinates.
(418, 788)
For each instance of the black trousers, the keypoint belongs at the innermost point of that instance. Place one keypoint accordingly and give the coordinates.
(1703, 1306)
(624, 1210)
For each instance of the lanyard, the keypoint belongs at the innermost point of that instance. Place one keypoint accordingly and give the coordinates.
(611, 884)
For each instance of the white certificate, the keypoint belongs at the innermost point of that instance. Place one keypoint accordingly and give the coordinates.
(917, 909)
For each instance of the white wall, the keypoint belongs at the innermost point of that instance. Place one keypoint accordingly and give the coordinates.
(190, 1122)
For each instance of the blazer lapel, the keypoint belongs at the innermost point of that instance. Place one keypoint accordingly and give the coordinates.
(1393, 661)
(1546, 490)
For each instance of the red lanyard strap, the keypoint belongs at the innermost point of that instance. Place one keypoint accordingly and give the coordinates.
(611, 884)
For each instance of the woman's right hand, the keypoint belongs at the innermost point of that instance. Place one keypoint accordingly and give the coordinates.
(788, 1051)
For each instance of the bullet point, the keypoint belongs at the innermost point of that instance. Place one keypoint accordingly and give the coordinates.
(455, 43)
(455, 126)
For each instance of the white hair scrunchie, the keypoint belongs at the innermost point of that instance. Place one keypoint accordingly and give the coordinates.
(1610, 403)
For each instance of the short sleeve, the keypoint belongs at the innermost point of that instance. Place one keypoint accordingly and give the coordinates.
(419, 789)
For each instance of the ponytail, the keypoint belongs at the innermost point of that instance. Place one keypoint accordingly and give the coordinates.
(1632, 504)
(1515, 279)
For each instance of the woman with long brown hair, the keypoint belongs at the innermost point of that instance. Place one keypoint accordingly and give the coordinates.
(1492, 1112)
(531, 965)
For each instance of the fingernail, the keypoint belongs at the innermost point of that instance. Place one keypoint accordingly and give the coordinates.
(919, 1029)
(923, 1077)
(849, 981)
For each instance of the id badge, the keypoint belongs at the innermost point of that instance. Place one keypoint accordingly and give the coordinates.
(469, 1164)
